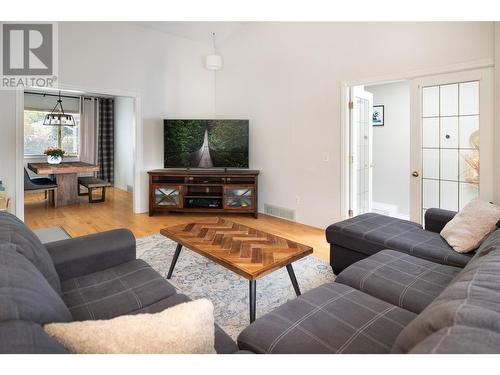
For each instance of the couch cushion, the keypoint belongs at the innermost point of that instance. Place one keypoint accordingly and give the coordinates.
(333, 318)
(115, 291)
(22, 337)
(224, 344)
(469, 228)
(472, 299)
(460, 340)
(369, 233)
(398, 278)
(24, 293)
(13, 230)
(187, 328)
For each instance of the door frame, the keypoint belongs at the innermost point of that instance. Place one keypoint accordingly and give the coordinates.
(136, 141)
(486, 134)
(373, 80)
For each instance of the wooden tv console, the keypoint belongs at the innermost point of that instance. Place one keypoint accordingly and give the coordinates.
(198, 190)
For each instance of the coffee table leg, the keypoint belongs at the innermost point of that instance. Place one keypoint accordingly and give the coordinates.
(253, 285)
(295, 284)
(174, 260)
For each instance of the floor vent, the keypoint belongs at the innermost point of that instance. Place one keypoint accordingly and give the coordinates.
(284, 213)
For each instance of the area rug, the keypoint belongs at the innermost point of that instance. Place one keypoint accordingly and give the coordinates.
(198, 277)
(52, 234)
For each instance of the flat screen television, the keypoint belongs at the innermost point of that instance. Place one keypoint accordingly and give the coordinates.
(206, 143)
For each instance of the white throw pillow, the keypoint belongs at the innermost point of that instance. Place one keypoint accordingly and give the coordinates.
(471, 226)
(187, 328)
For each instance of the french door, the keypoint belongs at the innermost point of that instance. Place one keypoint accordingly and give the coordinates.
(361, 154)
(451, 141)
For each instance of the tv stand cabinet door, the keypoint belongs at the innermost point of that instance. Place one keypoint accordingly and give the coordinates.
(240, 198)
(167, 196)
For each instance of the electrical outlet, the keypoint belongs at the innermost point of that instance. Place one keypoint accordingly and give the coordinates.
(297, 200)
(326, 156)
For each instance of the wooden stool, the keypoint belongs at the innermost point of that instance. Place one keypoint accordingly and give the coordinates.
(92, 183)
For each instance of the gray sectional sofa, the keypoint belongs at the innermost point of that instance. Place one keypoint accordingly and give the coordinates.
(89, 277)
(408, 293)
(402, 290)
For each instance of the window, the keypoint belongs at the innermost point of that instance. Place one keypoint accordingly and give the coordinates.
(37, 137)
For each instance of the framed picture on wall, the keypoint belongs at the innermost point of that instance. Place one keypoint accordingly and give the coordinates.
(378, 115)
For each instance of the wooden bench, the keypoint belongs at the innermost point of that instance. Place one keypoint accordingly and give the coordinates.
(92, 183)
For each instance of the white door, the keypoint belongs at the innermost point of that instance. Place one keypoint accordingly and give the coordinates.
(451, 136)
(361, 155)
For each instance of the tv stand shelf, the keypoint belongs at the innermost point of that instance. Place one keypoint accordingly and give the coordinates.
(203, 190)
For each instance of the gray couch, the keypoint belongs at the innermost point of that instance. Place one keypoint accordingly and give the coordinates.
(412, 297)
(89, 277)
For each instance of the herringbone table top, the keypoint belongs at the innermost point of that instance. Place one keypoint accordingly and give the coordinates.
(248, 252)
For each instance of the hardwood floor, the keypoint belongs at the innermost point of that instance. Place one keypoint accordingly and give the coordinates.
(84, 218)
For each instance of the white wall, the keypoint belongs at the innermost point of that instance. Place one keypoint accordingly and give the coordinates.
(8, 143)
(124, 143)
(391, 146)
(285, 77)
(497, 112)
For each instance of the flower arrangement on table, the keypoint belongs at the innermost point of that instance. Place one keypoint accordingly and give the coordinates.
(54, 155)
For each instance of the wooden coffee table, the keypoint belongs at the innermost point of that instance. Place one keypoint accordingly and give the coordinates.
(249, 252)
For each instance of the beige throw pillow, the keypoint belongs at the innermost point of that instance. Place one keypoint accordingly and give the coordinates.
(469, 227)
(187, 328)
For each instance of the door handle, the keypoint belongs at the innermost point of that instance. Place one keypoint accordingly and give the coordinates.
(415, 174)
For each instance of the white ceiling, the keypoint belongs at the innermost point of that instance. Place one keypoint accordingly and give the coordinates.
(197, 31)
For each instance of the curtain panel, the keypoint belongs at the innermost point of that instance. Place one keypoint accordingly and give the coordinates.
(106, 139)
(88, 130)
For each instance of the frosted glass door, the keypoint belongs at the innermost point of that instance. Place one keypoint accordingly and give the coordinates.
(450, 145)
(361, 151)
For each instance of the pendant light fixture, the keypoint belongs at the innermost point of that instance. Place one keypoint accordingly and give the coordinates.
(213, 61)
(57, 117)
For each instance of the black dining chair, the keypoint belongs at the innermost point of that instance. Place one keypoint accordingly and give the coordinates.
(39, 184)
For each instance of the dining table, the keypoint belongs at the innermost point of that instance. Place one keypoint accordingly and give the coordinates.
(66, 175)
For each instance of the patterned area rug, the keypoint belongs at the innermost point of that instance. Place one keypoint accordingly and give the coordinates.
(198, 277)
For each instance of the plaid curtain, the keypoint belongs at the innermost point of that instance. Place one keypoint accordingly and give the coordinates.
(106, 139)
